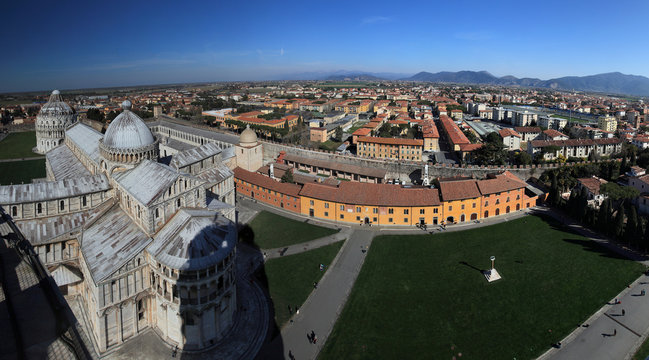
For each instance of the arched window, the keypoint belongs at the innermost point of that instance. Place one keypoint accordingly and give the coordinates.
(14, 211)
(178, 202)
(157, 213)
(62, 205)
(39, 208)
(84, 201)
(486, 213)
(507, 210)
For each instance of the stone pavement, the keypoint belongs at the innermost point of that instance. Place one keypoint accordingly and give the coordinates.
(320, 311)
(345, 233)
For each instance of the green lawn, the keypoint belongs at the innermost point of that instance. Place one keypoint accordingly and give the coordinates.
(18, 145)
(355, 127)
(422, 297)
(329, 145)
(16, 172)
(643, 351)
(291, 278)
(571, 118)
(273, 231)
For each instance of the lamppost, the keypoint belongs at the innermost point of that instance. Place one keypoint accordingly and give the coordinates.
(493, 260)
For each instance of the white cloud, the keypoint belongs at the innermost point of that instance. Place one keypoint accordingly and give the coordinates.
(376, 20)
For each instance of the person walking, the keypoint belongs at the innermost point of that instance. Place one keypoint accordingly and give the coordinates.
(614, 332)
(623, 312)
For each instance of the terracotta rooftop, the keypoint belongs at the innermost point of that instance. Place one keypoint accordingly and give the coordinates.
(267, 182)
(527, 129)
(372, 194)
(553, 133)
(458, 190)
(456, 136)
(508, 132)
(592, 184)
(500, 183)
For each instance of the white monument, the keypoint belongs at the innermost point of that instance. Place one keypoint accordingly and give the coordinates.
(492, 275)
(426, 181)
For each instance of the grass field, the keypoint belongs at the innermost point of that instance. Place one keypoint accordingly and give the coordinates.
(16, 172)
(571, 118)
(273, 231)
(421, 297)
(291, 278)
(643, 352)
(329, 145)
(18, 145)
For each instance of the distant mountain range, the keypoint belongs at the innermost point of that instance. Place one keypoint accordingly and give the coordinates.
(611, 83)
(615, 82)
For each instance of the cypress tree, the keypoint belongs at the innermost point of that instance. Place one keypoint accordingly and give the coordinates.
(631, 226)
(604, 213)
(618, 228)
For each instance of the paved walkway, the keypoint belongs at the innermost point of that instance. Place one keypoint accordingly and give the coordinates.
(23, 159)
(320, 311)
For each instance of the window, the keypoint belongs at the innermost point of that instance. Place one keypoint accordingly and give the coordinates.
(450, 208)
(326, 213)
(375, 210)
(486, 203)
(358, 218)
(508, 199)
(497, 201)
(518, 197)
(14, 211)
(390, 211)
(62, 205)
(342, 216)
(358, 209)
(405, 220)
(389, 219)
(374, 219)
(435, 210)
(178, 202)
(405, 211)
(474, 205)
(83, 201)
(326, 205)
(342, 207)
(39, 208)
(462, 206)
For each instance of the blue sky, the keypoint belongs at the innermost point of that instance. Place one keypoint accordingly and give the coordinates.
(70, 44)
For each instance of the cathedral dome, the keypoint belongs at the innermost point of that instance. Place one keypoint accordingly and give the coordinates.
(127, 131)
(248, 137)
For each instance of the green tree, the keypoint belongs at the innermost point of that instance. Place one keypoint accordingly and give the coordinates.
(339, 133)
(522, 158)
(288, 177)
(582, 204)
(617, 192)
(471, 136)
(618, 226)
(603, 217)
(95, 114)
(631, 226)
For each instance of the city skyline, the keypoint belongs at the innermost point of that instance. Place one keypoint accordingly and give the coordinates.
(74, 45)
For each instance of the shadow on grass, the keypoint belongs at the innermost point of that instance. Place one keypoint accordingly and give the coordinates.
(592, 246)
(247, 236)
(472, 267)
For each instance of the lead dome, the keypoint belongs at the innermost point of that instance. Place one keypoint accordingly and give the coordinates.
(128, 131)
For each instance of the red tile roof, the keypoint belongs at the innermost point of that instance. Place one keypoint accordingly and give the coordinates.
(266, 182)
(553, 133)
(454, 133)
(500, 183)
(528, 129)
(458, 190)
(508, 132)
(372, 194)
(592, 184)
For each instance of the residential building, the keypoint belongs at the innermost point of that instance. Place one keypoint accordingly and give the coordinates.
(607, 123)
(575, 147)
(511, 139)
(528, 133)
(390, 148)
(592, 186)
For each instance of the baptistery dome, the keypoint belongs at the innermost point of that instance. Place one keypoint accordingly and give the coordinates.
(128, 131)
(55, 116)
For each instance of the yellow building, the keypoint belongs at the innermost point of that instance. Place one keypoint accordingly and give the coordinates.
(461, 199)
(390, 148)
(378, 204)
(607, 123)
